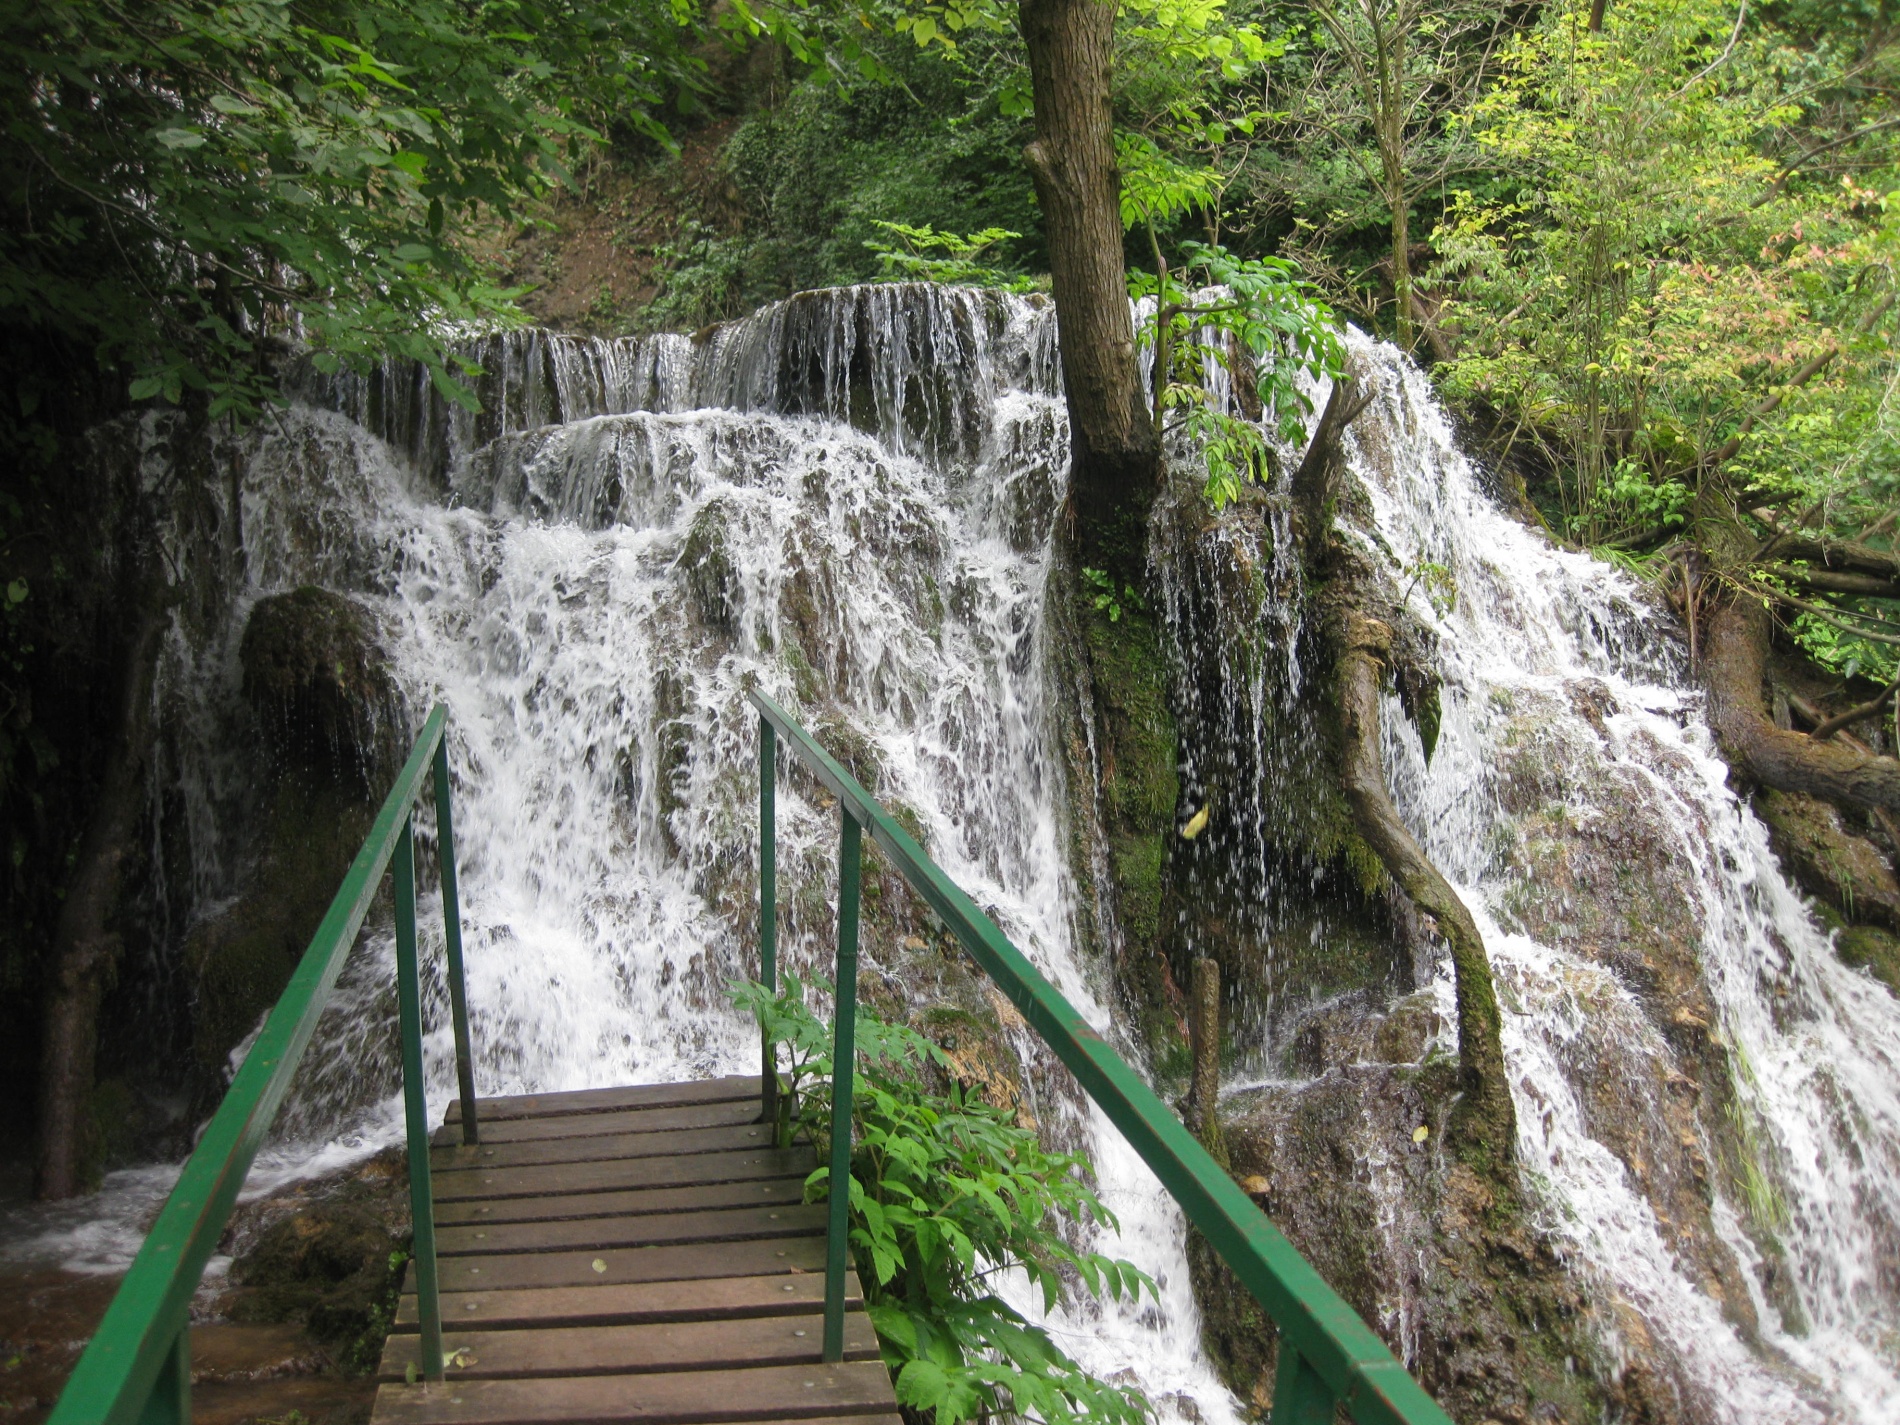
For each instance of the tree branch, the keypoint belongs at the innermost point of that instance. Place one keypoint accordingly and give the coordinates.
(1842, 719)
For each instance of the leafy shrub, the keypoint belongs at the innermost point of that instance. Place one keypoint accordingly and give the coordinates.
(922, 254)
(947, 1193)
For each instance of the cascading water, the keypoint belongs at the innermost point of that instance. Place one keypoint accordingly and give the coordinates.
(848, 498)
(1669, 1002)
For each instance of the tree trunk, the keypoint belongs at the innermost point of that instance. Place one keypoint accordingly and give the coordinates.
(1402, 270)
(1115, 459)
(1389, 112)
(1315, 485)
(86, 948)
(1484, 1124)
(1734, 663)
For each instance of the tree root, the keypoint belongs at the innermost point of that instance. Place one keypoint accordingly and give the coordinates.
(1484, 1122)
(1735, 668)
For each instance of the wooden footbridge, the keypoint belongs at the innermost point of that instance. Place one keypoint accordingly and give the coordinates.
(646, 1253)
(629, 1254)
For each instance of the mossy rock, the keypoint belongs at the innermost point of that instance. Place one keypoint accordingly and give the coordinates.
(240, 959)
(333, 1264)
(1140, 789)
(1829, 858)
(1445, 1265)
(316, 672)
(712, 582)
(1868, 947)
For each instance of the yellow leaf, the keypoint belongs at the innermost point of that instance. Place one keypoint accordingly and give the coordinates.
(1421, 1133)
(599, 1265)
(1196, 823)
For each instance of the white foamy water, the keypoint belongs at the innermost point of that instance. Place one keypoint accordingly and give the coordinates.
(1562, 648)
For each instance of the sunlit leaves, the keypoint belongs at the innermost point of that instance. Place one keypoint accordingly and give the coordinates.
(919, 253)
(1636, 281)
(1248, 325)
(946, 1192)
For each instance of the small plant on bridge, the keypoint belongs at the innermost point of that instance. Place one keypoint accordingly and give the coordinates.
(948, 1194)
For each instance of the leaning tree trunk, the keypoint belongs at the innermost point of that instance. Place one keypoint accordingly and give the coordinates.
(1116, 456)
(86, 948)
(1734, 666)
(1484, 1122)
(1483, 1127)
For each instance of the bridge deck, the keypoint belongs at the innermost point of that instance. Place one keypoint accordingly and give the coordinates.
(630, 1254)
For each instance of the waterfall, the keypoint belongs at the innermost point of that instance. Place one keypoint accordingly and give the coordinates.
(1669, 1001)
(847, 499)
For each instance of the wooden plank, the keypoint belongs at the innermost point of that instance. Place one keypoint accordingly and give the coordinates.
(800, 1294)
(855, 1388)
(679, 1143)
(738, 1112)
(629, 1350)
(706, 1197)
(535, 1105)
(735, 1224)
(690, 1262)
(627, 1175)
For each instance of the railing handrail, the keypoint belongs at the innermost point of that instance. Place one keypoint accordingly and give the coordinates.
(136, 1368)
(1337, 1358)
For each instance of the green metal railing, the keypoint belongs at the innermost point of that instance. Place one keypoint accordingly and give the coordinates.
(1329, 1358)
(137, 1368)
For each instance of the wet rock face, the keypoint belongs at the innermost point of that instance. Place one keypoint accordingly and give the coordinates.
(318, 681)
(317, 675)
(327, 1254)
(1840, 865)
(1654, 1077)
(1475, 1305)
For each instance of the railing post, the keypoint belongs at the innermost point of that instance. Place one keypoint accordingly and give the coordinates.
(416, 1101)
(1300, 1397)
(170, 1400)
(768, 911)
(452, 940)
(843, 1061)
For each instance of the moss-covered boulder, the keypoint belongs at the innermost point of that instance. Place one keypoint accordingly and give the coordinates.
(1426, 1251)
(328, 1255)
(712, 582)
(240, 958)
(317, 675)
(1831, 859)
(1870, 948)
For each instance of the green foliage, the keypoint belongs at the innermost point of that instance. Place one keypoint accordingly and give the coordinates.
(817, 173)
(1104, 597)
(1643, 275)
(182, 177)
(922, 254)
(703, 278)
(1440, 585)
(1841, 651)
(946, 1193)
(1255, 321)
